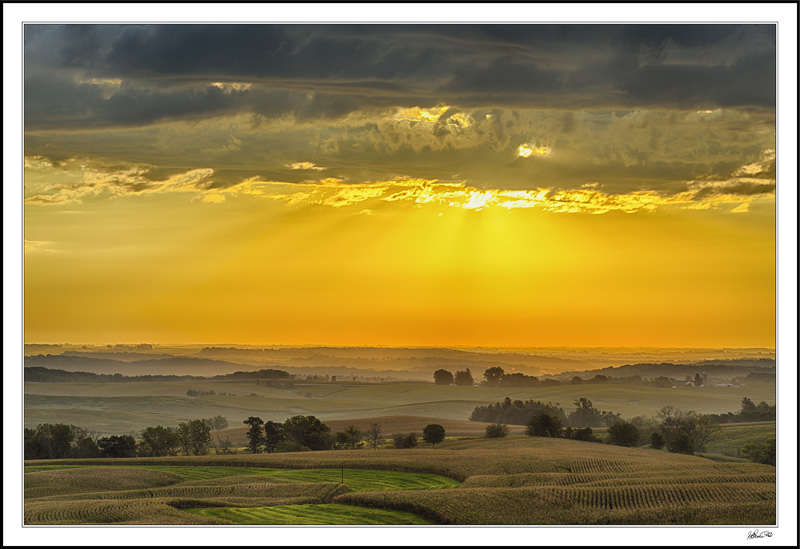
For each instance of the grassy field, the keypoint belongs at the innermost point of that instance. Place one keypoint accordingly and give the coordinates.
(334, 513)
(516, 480)
(116, 408)
(732, 437)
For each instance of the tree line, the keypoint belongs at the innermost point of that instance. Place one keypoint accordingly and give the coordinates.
(518, 412)
(63, 441)
(749, 412)
(680, 431)
(307, 433)
(498, 377)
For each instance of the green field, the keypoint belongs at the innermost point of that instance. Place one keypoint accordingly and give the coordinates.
(334, 513)
(357, 480)
(516, 480)
(731, 438)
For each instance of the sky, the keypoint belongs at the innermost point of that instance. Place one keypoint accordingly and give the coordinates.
(501, 185)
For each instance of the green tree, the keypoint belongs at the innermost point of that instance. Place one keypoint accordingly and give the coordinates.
(464, 378)
(351, 437)
(274, 434)
(184, 434)
(496, 430)
(756, 453)
(623, 433)
(680, 443)
(117, 446)
(492, 377)
(544, 425)
(308, 431)
(442, 377)
(340, 440)
(657, 441)
(200, 437)
(584, 434)
(255, 434)
(698, 380)
(433, 433)
(158, 441)
(402, 441)
(87, 447)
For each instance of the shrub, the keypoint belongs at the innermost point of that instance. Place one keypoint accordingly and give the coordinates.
(405, 441)
(623, 433)
(544, 425)
(760, 454)
(496, 430)
(681, 443)
(657, 441)
(290, 446)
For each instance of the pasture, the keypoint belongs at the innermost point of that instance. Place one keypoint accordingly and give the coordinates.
(516, 480)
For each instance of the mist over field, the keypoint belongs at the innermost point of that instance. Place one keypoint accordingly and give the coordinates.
(378, 362)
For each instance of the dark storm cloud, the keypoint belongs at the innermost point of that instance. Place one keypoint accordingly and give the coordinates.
(166, 71)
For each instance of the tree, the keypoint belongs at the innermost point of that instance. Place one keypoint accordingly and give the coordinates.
(433, 433)
(698, 380)
(340, 440)
(200, 437)
(274, 434)
(701, 429)
(57, 439)
(544, 425)
(623, 433)
(158, 441)
(662, 382)
(86, 447)
(496, 430)
(576, 380)
(657, 441)
(117, 446)
(308, 431)
(493, 376)
(464, 378)
(442, 377)
(584, 435)
(216, 423)
(352, 436)
(680, 443)
(760, 454)
(405, 441)
(585, 415)
(184, 434)
(698, 428)
(255, 434)
(374, 435)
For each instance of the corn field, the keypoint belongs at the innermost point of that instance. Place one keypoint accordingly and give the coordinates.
(519, 480)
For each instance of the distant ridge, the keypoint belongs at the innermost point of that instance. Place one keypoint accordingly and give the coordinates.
(727, 367)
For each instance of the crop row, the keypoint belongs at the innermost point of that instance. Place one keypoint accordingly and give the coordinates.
(462, 459)
(713, 503)
(609, 479)
(95, 479)
(110, 512)
(320, 491)
(311, 514)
